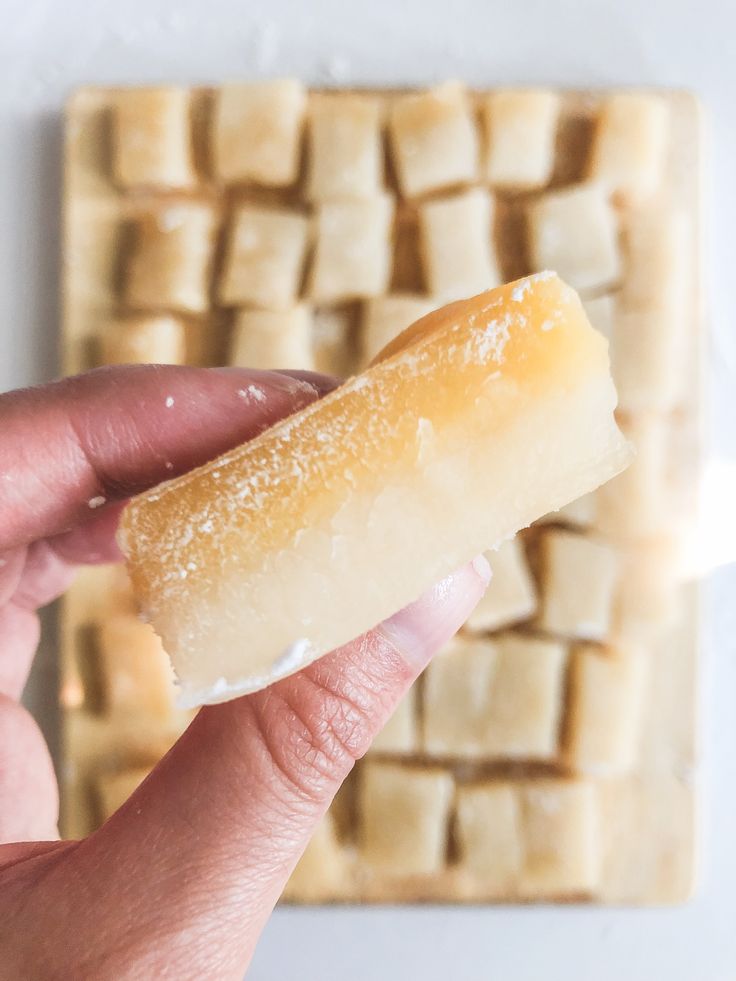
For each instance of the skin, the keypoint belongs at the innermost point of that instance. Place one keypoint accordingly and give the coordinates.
(181, 880)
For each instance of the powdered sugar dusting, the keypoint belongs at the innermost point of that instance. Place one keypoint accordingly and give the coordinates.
(495, 338)
(252, 393)
(523, 286)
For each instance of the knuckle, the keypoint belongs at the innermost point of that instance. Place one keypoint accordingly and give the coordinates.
(315, 732)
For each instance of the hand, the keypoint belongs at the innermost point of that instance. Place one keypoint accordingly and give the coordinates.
(180, 881)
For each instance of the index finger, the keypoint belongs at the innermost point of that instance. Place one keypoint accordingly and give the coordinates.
(70, 447)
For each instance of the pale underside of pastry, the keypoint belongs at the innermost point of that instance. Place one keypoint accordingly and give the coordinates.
(473, 423)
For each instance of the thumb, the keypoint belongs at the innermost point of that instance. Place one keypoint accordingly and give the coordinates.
(186, 873)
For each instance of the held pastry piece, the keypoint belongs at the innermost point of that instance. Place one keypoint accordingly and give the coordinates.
(475, 421)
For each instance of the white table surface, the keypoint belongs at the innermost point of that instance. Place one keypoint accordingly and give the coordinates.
(47, 48)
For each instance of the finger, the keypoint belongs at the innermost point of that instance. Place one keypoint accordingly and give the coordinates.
(68, 448)
(49, 566)
(12, 564)
(92, 542)
(204, 847)
(19, 634)
(29, 803)
(44, 577)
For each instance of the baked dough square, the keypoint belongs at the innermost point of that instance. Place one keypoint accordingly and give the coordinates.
(581, 512)
(607, 689)
(353, 249)
(511, 595)
(488, 833)
(600, 311)
(332, 335)
(256, 132)
(630, 144)
(264, 258)
(267, 340)
(404, 815)
(456, 698)
(574, 231)
(650, 325)
(170, 263)
(135, 673)
(144, 339)
(344, 147)
(580, 575)
(649, 839)
(638, 503)
(560, 829)
(526, 699)
(322, 872)
(520, 129)
(457, 244)
(649, 591)
(399, 735)
(495, 699)
(434, 141)
(384, 317)
(113, 789)
(152, 139)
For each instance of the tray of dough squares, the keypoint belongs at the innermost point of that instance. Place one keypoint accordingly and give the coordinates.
(549, 753)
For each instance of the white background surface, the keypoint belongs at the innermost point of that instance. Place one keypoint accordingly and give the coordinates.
(46, 48)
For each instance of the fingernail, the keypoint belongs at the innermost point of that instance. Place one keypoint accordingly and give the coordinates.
(421, 629)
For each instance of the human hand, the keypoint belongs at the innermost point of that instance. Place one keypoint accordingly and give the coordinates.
(181, 880)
